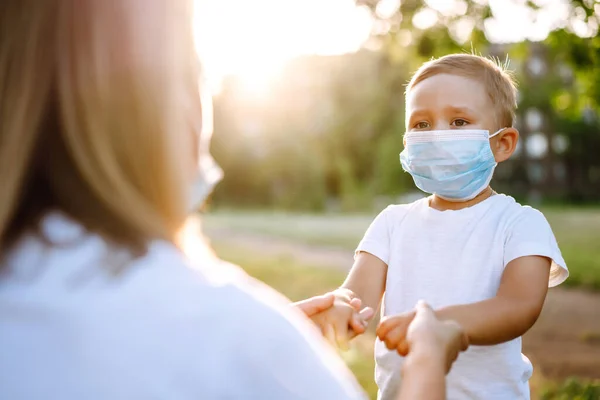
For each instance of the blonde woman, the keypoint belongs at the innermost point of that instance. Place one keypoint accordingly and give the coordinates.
(100, 165)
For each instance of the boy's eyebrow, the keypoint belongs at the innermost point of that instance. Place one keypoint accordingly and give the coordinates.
(418, 113)
(460, 109)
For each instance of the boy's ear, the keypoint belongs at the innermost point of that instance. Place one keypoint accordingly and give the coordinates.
(504, 145)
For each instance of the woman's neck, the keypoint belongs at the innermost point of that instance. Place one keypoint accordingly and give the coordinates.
(440, 204)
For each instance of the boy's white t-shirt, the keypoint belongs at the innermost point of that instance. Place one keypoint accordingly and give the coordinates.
(458, 257)
(161, 328)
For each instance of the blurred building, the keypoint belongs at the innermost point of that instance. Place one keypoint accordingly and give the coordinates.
(547, 164)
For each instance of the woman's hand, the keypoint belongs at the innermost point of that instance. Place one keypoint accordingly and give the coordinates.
(317, 304)
(427, 335)
(432, 347)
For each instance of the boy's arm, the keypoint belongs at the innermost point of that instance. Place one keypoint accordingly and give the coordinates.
(366, 280)
(508, 315)
(515, 308)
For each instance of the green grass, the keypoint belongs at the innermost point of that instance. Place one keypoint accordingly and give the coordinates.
(299, 282)
(572, 389)
(578, 236)
(338, 230)
(577, 232)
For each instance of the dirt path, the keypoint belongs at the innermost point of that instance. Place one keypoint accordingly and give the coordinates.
(564, 342)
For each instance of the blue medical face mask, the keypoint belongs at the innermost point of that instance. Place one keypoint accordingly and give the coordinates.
(455, 165)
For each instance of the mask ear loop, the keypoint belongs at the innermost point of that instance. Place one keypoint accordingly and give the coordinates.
(497, 132)
(209, 172)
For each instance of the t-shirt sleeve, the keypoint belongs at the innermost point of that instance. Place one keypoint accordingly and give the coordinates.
(531, 235)
(377, 238)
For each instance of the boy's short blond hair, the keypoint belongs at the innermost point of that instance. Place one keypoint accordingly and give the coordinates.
(497, 79)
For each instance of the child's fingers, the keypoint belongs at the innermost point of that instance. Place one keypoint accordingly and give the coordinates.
(387, 324)
(402, 348)
(394, 337)
(366, 314)
(357, 324)
(360, 321)
(356, 303)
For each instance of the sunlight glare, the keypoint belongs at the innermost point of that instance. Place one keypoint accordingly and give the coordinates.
(513, 21)
(425, 18)
(386, 8)
(448, 8)
(253, 40)
(461, 30)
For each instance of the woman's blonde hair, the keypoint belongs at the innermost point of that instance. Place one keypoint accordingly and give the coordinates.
(95, 105)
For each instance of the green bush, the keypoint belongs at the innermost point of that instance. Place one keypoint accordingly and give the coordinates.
(573, 389)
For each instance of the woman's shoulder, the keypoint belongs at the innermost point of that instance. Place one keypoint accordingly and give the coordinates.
(65, 266)
(63, 259)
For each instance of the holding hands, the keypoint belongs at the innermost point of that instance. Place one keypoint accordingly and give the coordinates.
(341, 317)
(420, 332)
(338, 314)
(344, 320)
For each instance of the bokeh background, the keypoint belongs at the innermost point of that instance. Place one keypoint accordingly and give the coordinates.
(309, 118)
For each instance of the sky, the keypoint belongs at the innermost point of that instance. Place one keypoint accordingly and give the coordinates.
(253, 39)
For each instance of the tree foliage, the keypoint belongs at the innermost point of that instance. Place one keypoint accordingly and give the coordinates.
(329, 133)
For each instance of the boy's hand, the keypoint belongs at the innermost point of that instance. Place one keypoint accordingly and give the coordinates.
(360, 319)
(314, 305)
(344, 320)
(392, 331)
(420, 330)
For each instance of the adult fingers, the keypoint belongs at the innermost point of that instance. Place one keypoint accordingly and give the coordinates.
(424, 313)
(423, 309)
(316, 304)
(329, 333)
(341, 335)
(450, 358)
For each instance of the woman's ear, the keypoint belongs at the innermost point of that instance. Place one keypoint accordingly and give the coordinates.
(504, 145)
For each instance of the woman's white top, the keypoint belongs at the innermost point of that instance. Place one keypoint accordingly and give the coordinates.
(73, 327)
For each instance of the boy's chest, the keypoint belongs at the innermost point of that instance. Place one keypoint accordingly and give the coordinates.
(447, 262)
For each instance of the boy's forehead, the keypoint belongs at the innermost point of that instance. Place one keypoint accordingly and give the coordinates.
(448, 90)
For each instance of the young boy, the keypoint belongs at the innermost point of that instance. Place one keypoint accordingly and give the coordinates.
(478, 257)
